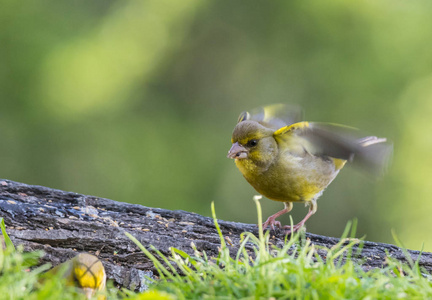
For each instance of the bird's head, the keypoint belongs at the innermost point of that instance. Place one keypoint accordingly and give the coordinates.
(253, 142)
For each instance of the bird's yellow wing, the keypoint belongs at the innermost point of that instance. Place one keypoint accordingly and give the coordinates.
(335, 141)
(273, 116)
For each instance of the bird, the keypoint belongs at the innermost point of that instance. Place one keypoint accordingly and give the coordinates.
(293, 161)
(86, 272)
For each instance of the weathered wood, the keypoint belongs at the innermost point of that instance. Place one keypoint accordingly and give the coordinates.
(64, 223)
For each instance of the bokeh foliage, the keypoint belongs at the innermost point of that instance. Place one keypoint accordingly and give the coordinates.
(136, 100)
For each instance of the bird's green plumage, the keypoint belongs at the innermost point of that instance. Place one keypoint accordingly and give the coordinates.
(290, 161)
(279, 166)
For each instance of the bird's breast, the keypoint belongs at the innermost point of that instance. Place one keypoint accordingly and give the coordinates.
(291, 178)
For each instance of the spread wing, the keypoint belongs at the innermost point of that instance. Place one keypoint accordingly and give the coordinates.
(336, 141)
(273, 116)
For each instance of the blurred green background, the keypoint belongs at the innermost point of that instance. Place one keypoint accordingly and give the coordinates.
(136, 100)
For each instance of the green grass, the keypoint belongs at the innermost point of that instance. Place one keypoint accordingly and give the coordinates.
(20, 279)
(296, 271)
(299, 270)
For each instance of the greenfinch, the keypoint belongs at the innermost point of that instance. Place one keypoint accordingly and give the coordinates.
(86, 272)
(290, 161)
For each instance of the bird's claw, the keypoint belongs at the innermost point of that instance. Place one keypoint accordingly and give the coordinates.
(294, 228)
(272, 222)
(277, 224)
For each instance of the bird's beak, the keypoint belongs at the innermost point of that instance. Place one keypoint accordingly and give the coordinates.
(237, 151)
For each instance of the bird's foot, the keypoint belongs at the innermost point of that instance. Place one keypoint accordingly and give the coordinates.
(272, 222)
(294, 228)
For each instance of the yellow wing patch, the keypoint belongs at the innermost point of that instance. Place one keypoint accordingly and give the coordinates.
(292, 127)
(298, 144)
(291, 141)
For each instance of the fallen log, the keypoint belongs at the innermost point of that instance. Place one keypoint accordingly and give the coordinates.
(63, 223)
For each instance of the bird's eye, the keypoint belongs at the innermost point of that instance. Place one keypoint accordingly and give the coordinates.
(252, 143)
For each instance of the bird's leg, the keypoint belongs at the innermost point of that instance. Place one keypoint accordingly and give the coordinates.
(272, 219)
(312, 209)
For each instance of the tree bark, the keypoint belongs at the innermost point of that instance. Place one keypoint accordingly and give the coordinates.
(63, 223)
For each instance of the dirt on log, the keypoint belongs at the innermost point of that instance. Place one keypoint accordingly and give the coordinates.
(63, 223)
